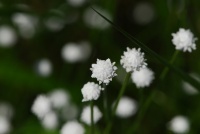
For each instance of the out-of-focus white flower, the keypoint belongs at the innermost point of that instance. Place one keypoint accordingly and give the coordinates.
(184, 40)
(76, 3)
(86, 115)
(6, 110)
(8, 36)
(72, 127)
(143, 13)
(50, 121)
(5, 125)
(26, 24)
(93, 20)
(126, 107)
(179, 124)
(104, 71)
(91, 91)
(69, 112)
(133, 60)
(54, 23)
(188, 88)
(44, 67)
(41, 106)
(73, 52)
(143, 77)
(59, 98)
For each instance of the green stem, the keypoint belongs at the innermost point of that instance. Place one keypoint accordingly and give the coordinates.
(149, 99)
(105, 103)
(122, 90)
(166, 69)
(92, 117)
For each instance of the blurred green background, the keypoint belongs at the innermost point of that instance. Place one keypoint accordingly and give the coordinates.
(54, 23)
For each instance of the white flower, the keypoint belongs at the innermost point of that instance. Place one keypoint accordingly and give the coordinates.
(72, 127)
(5, 125)
(76, 52)
(50, 121)
(44, 67)
(104, 71)
(6, 110)
(41, 106)
(184, 40)
(91, 91)
(143, 77)
(133, 60)
(86, 115)
(126, 107)
(179, 124)
(59, 98)
(8, 36)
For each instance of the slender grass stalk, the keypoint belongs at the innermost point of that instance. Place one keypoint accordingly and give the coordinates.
(105, 103)
(165, 71)
(92, 117)
(122, 90)
(149, 99)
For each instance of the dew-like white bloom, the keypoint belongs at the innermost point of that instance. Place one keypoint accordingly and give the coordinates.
(50, 121)
(143, 77)
(86, 115)
(133, 60)
(103, 71)
(69, 112)
(91, 91)
(93, 20)
(72, 127)
(76, 3)
(143, 13)
(59, 98)
(44, 67)
(179, 124)
(54, 23)
(188, 88)
(76, 52)
(126, 107)
(5, 125)
(184, 40)
(41, 106)
(26, 24)
(8, 36)
(6, 110)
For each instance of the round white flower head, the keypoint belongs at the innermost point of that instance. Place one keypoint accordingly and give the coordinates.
(143, 77)
(104, 71)
(179, 124)
(59, 98)
(91, 91)
(44, 67)
(50, 121)
(6, 110)
(4, 125)
(86, 115)
(41, 106)
(133, 60)
(184, 40)
(126, 107)
(72, 127)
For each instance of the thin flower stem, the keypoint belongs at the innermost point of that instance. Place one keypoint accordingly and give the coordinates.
(105, 103)
(149, 99)
(166, 69)
(92, 117)
(122, 90)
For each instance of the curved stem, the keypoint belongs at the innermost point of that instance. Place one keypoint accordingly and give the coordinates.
(105, 103)
(122, 90)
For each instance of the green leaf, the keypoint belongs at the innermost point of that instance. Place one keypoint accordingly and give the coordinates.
(183, 75)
